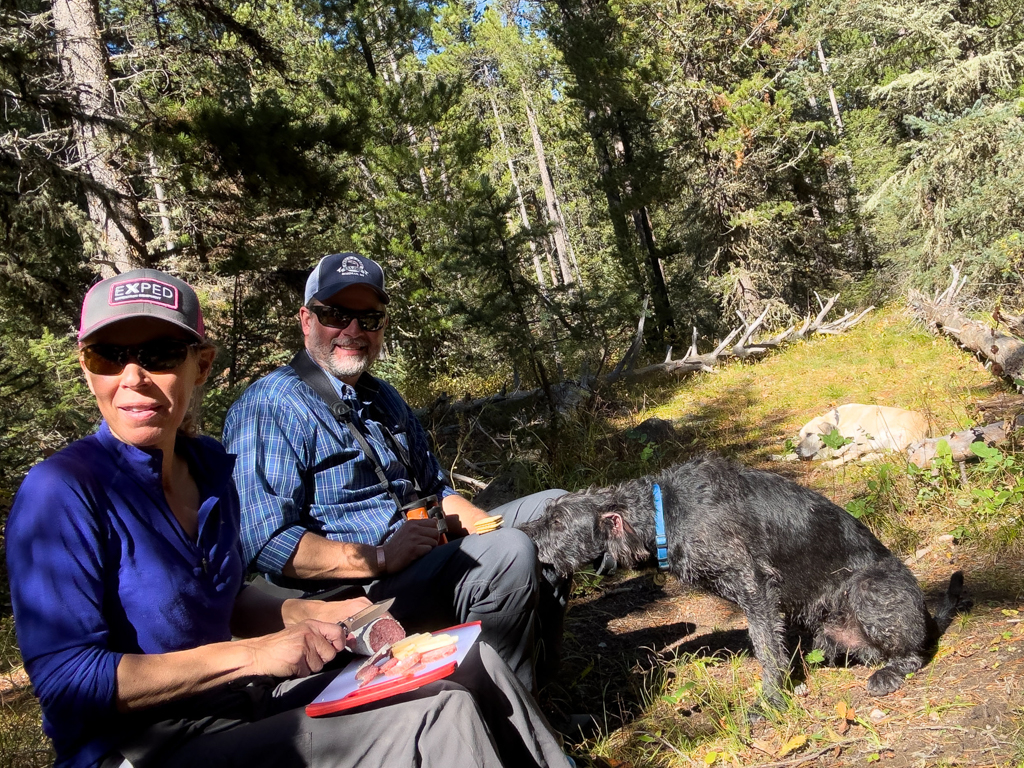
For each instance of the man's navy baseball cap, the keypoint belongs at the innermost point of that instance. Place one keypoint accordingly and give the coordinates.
(340, 270)
(141, 293)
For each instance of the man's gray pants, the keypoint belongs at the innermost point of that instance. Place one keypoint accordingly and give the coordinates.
(492, 578)
(479, 717)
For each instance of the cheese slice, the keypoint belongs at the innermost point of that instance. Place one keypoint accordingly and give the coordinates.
(407, 642)
(421, 644)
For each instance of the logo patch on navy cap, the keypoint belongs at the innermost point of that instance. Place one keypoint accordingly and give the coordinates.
(144, 290)
(353, 266)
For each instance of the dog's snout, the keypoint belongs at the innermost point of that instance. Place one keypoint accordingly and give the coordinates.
(807, 448)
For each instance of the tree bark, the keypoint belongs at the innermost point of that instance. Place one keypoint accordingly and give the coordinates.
(1004, 353)
(831, 91)
(645, 233)
(523, 215)
(554, 220)
(161, 205)
(960, 443)
(112, 204)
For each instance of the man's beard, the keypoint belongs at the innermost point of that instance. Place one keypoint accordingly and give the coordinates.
(350, 366)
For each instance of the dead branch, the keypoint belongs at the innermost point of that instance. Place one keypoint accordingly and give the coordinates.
(634, 348)
(472, 482)
(1005, 354)
(960, 443)
(569, 394)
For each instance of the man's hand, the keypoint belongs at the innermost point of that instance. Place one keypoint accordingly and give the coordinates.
(297, 651)
(296, 610)
(411, 542)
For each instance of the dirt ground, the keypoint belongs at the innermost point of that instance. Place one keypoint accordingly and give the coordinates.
(963, 709)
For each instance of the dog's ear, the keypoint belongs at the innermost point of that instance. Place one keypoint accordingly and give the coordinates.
(613, 525)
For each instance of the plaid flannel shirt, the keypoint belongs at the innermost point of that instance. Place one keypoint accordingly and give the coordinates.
(299, 469)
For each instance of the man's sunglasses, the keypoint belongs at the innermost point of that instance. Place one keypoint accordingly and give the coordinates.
(339, 317)
(157, 356)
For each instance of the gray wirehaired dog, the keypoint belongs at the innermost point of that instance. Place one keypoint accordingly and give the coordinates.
(769, 545)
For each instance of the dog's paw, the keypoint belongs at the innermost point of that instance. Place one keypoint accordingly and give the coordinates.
(884, 682)
(767, 706)
(756, 714)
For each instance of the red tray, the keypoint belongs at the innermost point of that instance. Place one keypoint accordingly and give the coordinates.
(344, 691)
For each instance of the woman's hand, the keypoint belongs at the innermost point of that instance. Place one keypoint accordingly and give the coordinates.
(298, 651)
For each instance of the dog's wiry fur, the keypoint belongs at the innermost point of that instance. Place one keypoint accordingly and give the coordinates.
(771, 546)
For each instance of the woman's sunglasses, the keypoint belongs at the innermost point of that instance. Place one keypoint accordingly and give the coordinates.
(157, 356)
(339, 317)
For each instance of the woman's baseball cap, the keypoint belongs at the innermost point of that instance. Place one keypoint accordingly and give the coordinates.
(141, 293)
(340, 270)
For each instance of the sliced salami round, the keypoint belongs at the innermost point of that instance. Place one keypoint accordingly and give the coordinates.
(376, 635)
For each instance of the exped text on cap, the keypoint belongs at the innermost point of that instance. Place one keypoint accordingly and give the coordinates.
(141, 293)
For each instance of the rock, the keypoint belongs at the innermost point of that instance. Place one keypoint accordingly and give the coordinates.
(654, 430)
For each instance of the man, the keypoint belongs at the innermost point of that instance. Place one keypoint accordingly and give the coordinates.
(321, 492)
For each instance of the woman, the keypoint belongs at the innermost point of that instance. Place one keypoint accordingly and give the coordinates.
(127, 586)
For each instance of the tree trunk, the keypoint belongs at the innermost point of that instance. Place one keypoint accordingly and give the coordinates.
(645, 233)
(554, 220)
(414, 140)
(831, 91)
(523, 215)
(1004, 353)
(161, 205)
(614, 200)
(923, 453)
(112, 203)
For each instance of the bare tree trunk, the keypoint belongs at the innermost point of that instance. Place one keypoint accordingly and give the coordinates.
(941, 314)
(523, 216)
(645, 233)
(831, 91)
(161, 204)
(414, 141)
(112, 203)
(558, 231)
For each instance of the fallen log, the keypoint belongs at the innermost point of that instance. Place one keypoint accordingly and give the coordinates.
(569, 394)
(1004, 354)
(924, 452)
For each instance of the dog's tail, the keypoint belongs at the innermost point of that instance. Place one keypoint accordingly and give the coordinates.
(952, 603)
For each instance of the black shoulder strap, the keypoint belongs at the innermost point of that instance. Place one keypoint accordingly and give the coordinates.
(314, 376)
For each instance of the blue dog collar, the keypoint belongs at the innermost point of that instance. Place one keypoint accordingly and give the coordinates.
(660, 539)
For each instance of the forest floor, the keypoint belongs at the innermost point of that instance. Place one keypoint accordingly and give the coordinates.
(668, 671)
(634, 631)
